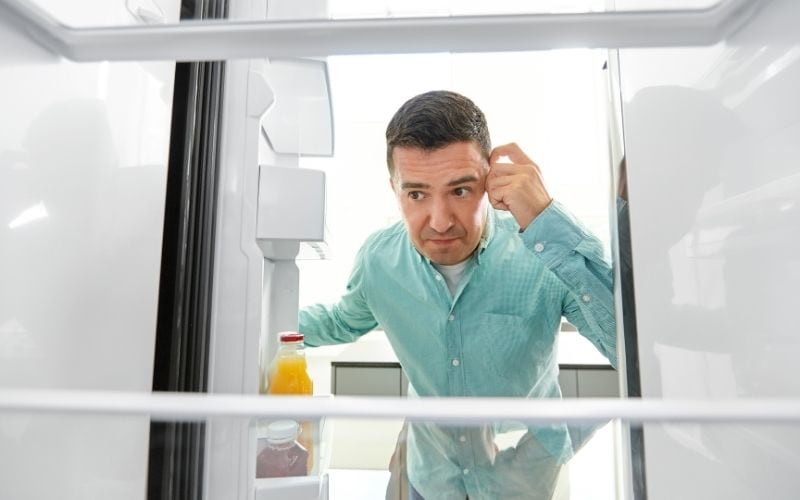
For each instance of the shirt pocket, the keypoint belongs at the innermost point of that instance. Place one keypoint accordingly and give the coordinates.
(508, 349)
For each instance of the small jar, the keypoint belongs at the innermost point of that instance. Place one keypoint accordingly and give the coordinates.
(282, 455)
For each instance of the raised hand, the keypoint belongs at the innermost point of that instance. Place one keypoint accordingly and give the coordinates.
(517, 186)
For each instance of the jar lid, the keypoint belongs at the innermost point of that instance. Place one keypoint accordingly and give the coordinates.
(282, 431)
(291, 337)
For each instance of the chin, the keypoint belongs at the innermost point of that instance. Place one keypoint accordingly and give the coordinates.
(446, 260)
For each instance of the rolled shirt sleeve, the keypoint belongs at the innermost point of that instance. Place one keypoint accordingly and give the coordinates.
(576, 257)
(344, 321)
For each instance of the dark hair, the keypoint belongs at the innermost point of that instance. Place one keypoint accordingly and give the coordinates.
(434, 120)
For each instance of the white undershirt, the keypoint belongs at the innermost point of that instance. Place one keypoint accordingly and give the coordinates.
(452, 274)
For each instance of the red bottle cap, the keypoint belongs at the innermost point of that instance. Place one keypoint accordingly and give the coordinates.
(291, 336)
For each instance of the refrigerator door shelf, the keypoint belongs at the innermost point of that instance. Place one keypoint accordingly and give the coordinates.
(292, 488)
(311, 487)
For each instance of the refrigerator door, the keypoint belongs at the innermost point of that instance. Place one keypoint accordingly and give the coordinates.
(714, 181)
(83, 160)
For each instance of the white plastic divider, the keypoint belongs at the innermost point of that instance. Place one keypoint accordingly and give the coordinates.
(236, 39)
(464, 411)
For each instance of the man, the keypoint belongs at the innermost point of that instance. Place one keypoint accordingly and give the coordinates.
(470, 290)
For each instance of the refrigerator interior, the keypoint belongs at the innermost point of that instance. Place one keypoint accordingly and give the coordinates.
(709, 140)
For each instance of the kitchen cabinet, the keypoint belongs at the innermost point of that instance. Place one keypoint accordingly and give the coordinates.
(369, 367)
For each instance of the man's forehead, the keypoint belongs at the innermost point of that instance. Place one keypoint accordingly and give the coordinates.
(456, 163)
(465, 150)
(411, 183)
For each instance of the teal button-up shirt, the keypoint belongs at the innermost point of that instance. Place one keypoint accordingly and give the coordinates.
(495, 337)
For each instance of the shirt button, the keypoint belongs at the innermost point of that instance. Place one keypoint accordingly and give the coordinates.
(456, 362)
(463, 439)
(451, 318)
(438, 278)
(465, 471)
(586, 297)
(538, 247)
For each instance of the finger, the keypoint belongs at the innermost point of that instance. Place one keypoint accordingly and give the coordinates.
(498, 204)
(522, 174)
(500, 180)
(512, 151)
(503, 169)
(503, 179)
(498, 197)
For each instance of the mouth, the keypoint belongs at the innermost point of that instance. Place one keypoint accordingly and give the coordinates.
(442, 241)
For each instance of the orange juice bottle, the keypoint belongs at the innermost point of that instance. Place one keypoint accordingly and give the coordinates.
(289, 375)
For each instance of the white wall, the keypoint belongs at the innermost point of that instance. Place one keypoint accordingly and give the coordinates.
(713, 158)
(83, 152)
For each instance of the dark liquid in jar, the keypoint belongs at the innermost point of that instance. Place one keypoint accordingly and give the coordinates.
(282, 460)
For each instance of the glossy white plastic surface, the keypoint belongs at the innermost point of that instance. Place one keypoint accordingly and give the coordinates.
(291, 204)
(254, 298)
(83, 152)
(437, 33)
(301, 121)
(713, 160)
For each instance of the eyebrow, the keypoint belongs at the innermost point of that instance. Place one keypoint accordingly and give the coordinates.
(455, 182)
(463, 180)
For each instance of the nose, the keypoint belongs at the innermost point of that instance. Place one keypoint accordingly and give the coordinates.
(441, 217)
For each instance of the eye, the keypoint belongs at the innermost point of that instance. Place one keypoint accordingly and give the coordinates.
(461, 192)
(415, 195)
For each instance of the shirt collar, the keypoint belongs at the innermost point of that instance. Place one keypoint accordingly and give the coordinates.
(488, 233)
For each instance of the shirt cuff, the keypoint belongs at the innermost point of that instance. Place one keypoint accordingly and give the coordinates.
(553, 234)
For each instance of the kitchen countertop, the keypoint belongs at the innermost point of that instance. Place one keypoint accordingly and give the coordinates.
(374, 348)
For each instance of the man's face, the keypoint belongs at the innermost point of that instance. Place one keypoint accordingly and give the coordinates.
(442, 198)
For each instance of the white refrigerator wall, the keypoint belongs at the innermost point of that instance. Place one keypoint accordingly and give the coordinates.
(83, 159)
(713, 159)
